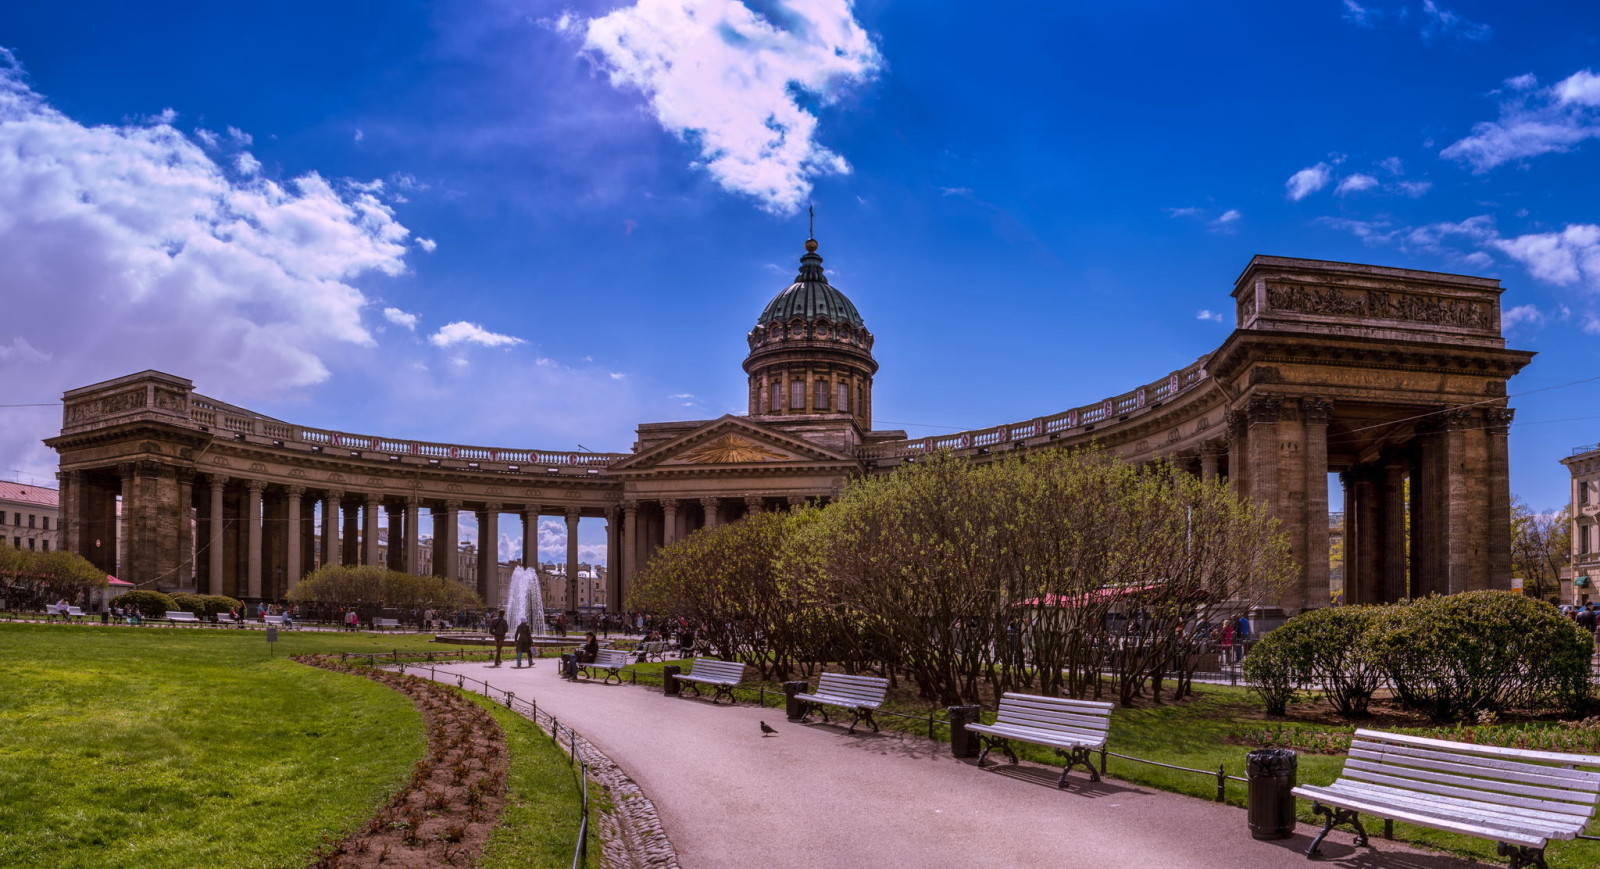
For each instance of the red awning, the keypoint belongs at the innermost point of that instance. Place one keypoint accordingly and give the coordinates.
(113, 581)
(1099, 595)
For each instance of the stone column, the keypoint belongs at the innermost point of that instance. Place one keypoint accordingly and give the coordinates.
(1393, 497)
(351, 536)
(1208, 461)
(530, 537)
(1363, 539)
(1314, 415)
(710, 506)
(1497, 427)
(753, 505)
(331, 513)
(274, 530)
(447, 540)
(252, 526)
(412, 562)
(572, 558)
(630, 543)
(214, 548)
(489, 555)
(669, 521)
(369, 534)
(394, 551)
(294, 563)
(184, 477)
(1467, 498)
(70, 521)
(1430, 523)
(1262, 477)
(613, 562)
(1238, 449)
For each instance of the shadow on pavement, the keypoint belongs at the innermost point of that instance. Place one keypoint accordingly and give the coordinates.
(1078, 783)
(1337, 851)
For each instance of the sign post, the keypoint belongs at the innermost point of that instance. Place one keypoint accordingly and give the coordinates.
(272, 640)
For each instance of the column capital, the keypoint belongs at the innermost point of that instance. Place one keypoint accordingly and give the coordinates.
(1237, 422)
(630, 506)
(69, 476)
(372, 498)
(754, 502)
(710, 503)
(217, 481)
(1316, 411)
(1499, 420)
(335, 494)
(669, 503)
(452, 505)
(413, 500)
(184, 475)
(256, 487)
(572, 514)
(1458, 419)
(611, 513)
(491, 507)
(1264, 409)
(295, 491)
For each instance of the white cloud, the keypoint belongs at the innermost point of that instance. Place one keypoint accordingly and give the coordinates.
(1526, 81)
(1308, 181)
(1357, 14)
(1225, 221)
(1393, 165)
(1355, 184)
(955, 191)
(239, 137)
(1522, 315)
(428, 245)
(1208, 316)
(131, 239)
(247, 164)
(617, 375)
(462, 332)
(1413, 189)
(1544, 121)
(1567, 257)
(359, 135)
(1438, 21)
(206, 137)
(1183, 212)
(726, 78)
(400, 318)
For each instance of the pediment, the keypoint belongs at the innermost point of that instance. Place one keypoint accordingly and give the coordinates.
(731, 441)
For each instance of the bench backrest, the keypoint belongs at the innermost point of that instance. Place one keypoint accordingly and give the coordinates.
(608, 658)
(1567, 785)
(1090, 718)
(183, 616)
(722, 671)
(388, 623)
(74, 611)
(860, 689)
(273, 620)
(653, 647)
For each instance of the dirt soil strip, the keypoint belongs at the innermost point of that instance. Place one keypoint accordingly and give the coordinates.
(445, 813)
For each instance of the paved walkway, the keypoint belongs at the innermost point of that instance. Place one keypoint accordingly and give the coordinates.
(815, 796)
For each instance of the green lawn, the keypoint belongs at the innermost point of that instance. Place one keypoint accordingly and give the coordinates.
(540, 824)
(149, 748)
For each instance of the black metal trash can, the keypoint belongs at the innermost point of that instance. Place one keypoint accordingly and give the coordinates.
(794, 709)
(962, 742)
(1271, 773)
(669, 679)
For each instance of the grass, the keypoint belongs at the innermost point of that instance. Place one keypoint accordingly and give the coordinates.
(153, 748)
(540, 824)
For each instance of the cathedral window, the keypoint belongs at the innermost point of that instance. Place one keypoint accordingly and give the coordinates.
(844, 398)
(797, 395)
(820, 401)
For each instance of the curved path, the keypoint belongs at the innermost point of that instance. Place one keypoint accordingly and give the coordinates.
(815, 796)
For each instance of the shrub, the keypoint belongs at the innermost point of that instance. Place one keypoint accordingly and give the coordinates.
(1453, 657)
(1276, 667)
(150, 604)
(215, 604)
(1336, 648)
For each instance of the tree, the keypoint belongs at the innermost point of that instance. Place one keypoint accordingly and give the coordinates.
(344, 585)
(32, 579)
(1541, 544)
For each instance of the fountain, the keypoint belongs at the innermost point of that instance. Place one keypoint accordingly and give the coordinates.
(526, 601)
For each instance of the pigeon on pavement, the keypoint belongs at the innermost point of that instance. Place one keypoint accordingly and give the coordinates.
(766, 729)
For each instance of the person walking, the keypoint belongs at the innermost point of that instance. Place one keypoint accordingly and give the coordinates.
(524, 643)
(498, 629)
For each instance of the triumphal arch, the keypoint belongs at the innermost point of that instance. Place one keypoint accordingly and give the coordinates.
(1394, 379)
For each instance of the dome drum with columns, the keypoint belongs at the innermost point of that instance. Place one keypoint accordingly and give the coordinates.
(810, 351)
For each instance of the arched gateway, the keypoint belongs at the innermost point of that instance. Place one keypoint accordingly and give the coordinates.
(1395, 379)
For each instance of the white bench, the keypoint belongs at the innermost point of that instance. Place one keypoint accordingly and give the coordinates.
(182, 617)
(1074, 728)
(654, 650)
(723, 676)
(65, 612)
(859, 694)
(280, 621)
(1521, 799)
(610, 660)
(386, 623)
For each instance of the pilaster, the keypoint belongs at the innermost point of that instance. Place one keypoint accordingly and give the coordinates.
(572, 558)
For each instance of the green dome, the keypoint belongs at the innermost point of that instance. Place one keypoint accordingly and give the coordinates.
(810, 297)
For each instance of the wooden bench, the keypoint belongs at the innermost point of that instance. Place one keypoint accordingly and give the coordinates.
(183, 617)
(610, 660)
(654, 650)
(1074, 728)
(380, 624)
(1519, 798)
(859, 694)
(723, 676)
(65, 612)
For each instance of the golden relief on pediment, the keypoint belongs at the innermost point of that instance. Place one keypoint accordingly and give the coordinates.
(729, 449)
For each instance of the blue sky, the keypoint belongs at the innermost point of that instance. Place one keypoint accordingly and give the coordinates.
(539, 224)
